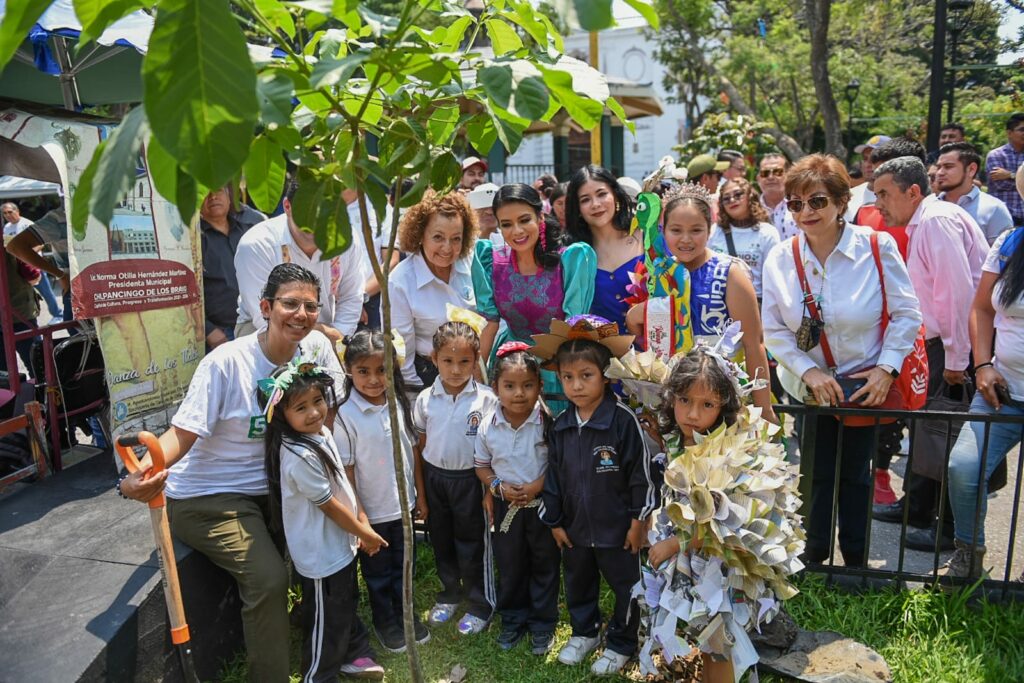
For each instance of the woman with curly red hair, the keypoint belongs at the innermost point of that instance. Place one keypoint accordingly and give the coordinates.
(439, 233)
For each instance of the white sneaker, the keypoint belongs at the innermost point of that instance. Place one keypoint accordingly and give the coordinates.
(576, 650)
(609, 663)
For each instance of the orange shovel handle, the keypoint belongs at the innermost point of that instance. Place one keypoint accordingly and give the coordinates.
(124, 446)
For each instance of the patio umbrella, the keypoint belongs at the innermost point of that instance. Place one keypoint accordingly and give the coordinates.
(46, 69)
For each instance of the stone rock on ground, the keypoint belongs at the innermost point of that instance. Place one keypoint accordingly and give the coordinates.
(826, 657)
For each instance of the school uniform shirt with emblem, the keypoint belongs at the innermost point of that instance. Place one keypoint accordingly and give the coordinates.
(316, 544)
(517, 455)
(452, 423)
(221, 407)
(362, 434)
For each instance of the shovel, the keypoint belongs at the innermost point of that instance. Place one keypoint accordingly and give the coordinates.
(164, 547)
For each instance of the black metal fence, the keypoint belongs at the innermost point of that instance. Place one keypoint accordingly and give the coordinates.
(1002, 580)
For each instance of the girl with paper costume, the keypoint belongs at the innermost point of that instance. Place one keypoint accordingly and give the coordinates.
(720, 291)
(727, 535)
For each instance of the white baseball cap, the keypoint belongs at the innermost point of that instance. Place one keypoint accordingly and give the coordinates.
(482, 196)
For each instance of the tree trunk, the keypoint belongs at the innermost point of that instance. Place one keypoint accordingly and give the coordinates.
(818, 15)
(381, 271)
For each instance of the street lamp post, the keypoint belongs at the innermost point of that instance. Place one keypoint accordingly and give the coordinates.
(961, 12)
(851, 91)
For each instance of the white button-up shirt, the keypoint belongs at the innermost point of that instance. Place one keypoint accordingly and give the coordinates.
(849, 295)
(269, 244)
(517, 456)
(859, 196)
(451, 423)
(362, 433)
(418, 304)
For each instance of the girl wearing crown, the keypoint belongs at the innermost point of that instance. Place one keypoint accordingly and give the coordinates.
(720, 290)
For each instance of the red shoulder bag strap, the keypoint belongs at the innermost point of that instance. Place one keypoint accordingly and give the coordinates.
(812, 306)
(876, 253)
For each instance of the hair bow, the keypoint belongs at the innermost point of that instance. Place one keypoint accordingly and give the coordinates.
(462, 315)
(511, 347)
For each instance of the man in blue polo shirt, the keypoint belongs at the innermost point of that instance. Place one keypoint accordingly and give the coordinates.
(957, 165)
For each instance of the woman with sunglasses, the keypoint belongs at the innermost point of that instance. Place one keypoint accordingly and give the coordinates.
(215, 481)
(743, 230)
(826, 330)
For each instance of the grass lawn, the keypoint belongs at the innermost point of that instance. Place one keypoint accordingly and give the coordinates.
(926, 637)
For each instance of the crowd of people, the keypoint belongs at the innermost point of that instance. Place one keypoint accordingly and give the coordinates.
(504, 295)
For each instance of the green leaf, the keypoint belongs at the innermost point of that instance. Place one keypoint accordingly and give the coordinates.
(274, 90)
(415, 193)
(97, 15)
(187, 195)
(616, 108)
(442, 124)
(264, 173)
(19, 16)
(200, 88)
(163, 169)
(330, 72)
(445, 172)
(504, 39)
(277, 15)
(594, 15)
(497, 82)
(398, 146)
(531, 98)
(83, 195)
(456, 33)
(482, 132)
(646, 11)
(585, 111)
(115, 171)
(318, 206)
(509, 132)
(524, 15)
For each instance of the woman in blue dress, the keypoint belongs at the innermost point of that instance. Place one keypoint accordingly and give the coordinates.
(531, 278)
(598, 212)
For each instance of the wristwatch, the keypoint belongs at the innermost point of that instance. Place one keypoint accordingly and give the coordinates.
(891, 370)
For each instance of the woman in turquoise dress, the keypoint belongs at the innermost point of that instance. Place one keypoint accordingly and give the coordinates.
(530, 279)
(598, 212)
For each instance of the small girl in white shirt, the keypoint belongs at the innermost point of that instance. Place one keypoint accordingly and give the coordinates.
(362, 432)
(447, 416)
(314, 503)
(511, 459)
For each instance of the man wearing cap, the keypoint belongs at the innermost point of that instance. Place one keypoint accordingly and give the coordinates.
(705, 170)
(862, 194)
(474, 173)
(481, 199)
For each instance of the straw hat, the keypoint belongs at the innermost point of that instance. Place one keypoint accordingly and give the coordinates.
(584, 326)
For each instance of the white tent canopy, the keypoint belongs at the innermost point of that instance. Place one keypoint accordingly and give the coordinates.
(12, 187)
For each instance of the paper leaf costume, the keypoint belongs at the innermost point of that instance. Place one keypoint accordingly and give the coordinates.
(273, 388)
(668, 284)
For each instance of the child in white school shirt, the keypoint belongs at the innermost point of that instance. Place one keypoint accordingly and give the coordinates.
(447, 416)
(511, 459)
(362, 432)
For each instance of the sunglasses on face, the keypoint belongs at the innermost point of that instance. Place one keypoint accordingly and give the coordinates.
(769, 172)
(733, 197)
(292, 305)
(817, 203)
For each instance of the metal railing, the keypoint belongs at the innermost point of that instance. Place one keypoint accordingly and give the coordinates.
(1001, 583)
(521, 173)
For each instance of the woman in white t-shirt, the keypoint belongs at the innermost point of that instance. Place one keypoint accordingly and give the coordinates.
(998, 305)
(216, 486)
(743, 230)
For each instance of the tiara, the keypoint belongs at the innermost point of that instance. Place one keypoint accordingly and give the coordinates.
(687, 191)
